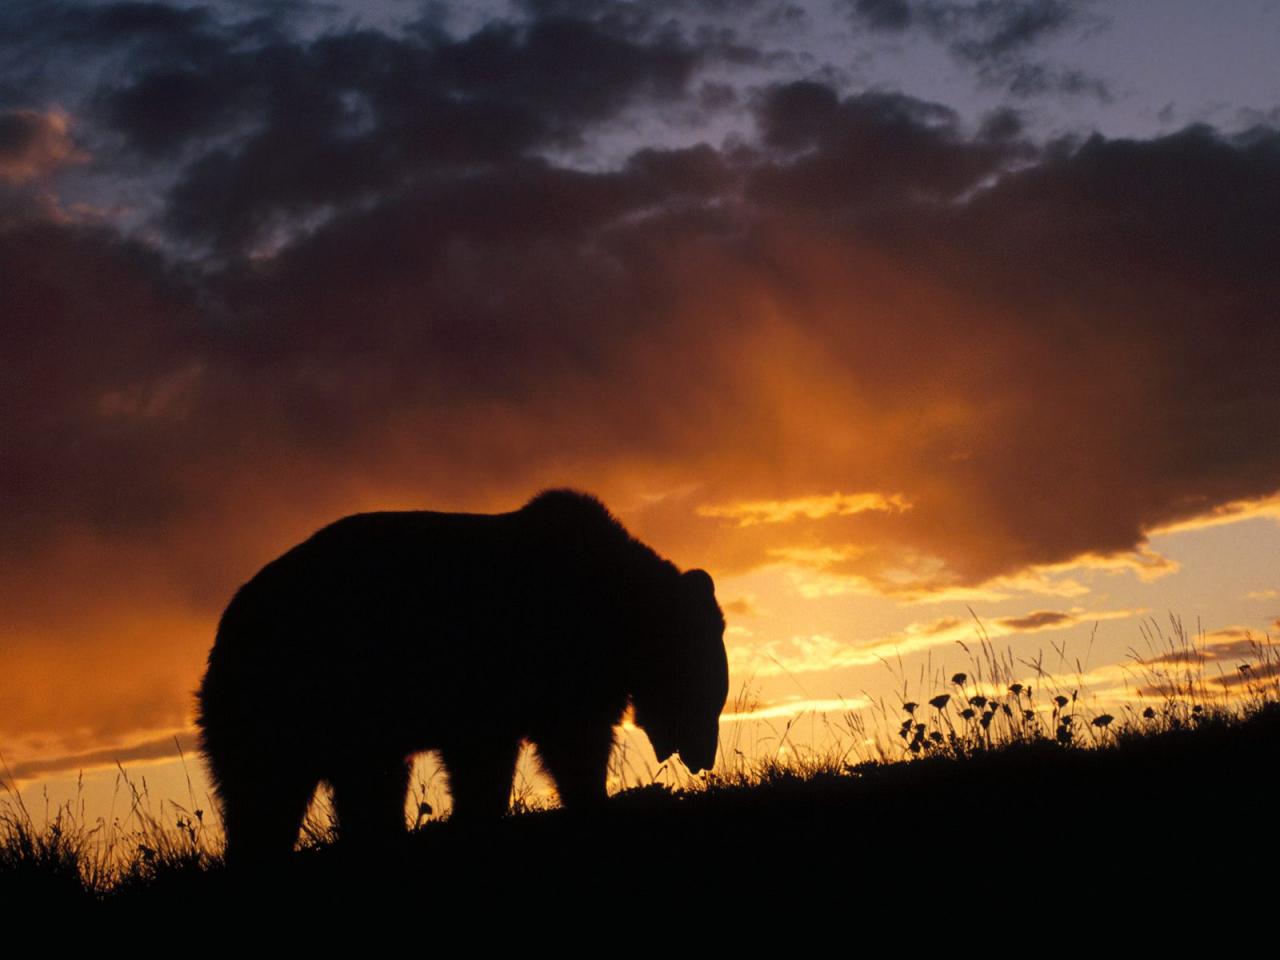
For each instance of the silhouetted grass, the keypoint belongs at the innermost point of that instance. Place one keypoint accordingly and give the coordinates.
(977, 778)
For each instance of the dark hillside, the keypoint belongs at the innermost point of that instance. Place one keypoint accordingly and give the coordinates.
(1014, 825)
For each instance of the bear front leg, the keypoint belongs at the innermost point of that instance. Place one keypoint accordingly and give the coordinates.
(480, 774)
(369, 799)
(577, 758)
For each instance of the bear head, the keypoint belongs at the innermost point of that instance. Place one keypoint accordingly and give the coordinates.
(679, 699)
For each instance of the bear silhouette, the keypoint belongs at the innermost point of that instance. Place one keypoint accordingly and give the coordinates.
(390, 634)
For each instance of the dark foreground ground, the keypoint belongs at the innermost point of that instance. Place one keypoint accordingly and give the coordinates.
(1153, 828)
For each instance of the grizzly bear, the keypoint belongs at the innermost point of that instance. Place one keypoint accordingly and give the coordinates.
(389, 634)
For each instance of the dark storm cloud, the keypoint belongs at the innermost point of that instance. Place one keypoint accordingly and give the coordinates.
(978, 31)
(657, 15)
(350, 115)
(269, 129)
(1030, 368)
(996, 37)
(994, 29)
(884, 14)
(874, 148)
(89, 318)
(1034, 79)
(43, 43)
(602, 307)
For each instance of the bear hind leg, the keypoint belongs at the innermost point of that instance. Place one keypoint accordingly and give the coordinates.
(261, 815)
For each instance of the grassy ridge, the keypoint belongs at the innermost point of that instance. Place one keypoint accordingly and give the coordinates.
(1180, 798)
(987, 790)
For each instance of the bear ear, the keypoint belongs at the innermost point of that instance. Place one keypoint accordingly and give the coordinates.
(699, 583)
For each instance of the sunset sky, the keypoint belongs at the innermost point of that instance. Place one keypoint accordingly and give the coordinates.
(879, 310)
